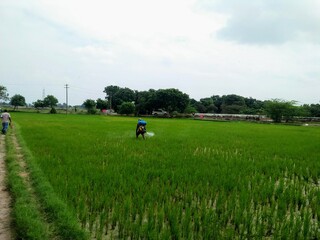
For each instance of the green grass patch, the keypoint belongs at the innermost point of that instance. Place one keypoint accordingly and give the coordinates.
(65, 224)
(193, 179)
(28, 221)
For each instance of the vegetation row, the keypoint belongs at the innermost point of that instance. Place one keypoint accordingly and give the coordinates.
(127, 101)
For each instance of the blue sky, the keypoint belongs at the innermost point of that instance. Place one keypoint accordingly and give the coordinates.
(263, 49)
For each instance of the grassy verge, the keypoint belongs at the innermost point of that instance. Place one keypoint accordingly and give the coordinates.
(27, 217)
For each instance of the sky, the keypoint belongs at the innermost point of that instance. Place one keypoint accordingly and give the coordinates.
(264, 49)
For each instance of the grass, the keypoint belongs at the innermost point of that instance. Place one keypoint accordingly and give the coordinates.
(28, 220)
(193, 179)
(37, 212)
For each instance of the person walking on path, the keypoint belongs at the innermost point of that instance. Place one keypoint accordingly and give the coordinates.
(6, 120)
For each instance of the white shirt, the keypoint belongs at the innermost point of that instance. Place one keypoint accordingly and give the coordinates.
(5, 117)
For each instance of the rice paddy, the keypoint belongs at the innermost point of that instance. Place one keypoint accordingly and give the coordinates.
(191, 180)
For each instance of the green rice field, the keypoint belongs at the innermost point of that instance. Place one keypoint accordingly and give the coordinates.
(192, 180)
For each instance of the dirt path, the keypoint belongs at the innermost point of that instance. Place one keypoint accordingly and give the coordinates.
(5, 200)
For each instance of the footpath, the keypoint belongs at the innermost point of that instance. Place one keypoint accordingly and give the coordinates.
(5, 200)
(29, 207)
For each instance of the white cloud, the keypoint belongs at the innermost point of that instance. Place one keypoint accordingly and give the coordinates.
(196, 46)
(268, 21)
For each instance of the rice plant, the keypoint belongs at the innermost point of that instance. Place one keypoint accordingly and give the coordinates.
(191, 180)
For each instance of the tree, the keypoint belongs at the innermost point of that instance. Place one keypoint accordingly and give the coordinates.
(17, 100)
(39, 104)
(253, 106)
(190, 109)
(110, 92)
(278, 109)
(90, 105)
(143, 102)
(198, 106)
(121, 96)
(171, 100)
(117, 95)
(315, 110)
(233, 104)
(101, 104)
(50, 101)
(3, 93)
(126, 108)
(208, 104)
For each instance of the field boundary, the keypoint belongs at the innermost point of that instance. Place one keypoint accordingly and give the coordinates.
(6, 230)
(37, 211)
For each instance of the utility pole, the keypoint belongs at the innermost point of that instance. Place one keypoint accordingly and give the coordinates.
(66, 87)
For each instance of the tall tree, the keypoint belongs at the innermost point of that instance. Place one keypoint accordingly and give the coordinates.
(208, 104)
(3, 93)
(110, 92)
(121, 96)
(90, 105)
(143, 102)
(126, 108)
(50, 101)
(101, 104)
(278, 109)
(39, 104)
(17, 100)
(171, 100)
(233, 104)
(315, 110)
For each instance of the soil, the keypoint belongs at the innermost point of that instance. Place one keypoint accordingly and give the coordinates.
(5, 200)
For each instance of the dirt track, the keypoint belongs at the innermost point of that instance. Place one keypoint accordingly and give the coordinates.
(5, 200)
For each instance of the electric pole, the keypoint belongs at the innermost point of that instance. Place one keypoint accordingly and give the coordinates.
(66, 87)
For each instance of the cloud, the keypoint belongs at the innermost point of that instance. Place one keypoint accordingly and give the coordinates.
(267, 21)
(200, 47)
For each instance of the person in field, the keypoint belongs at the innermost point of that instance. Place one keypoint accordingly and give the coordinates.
(141, 128)
(6, 120)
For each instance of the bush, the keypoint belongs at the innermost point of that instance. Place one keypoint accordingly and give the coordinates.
(53, 111)
(126, 108)
(92, 111)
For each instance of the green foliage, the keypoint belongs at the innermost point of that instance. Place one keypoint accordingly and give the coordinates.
(53, 111)
(121, 96)
(192, 180)
(126, 108)
(39, 104)
(101, 104)
(190, 109)
(279, 109)
(17, 100)
(315, 110)
(174, 100)
(169, 99)
(90, 105)
(233, 104)
(3, 93)
(50, 101)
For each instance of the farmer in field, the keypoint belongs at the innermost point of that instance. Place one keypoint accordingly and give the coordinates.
(141, 128)
(6, 120)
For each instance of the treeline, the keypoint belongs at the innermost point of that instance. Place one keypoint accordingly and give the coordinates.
(128, 101)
